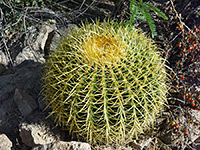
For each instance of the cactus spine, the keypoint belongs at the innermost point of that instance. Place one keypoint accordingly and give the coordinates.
(106, 83)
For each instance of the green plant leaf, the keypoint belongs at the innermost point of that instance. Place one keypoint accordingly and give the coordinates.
(133, 11)
(150, 21)
(132, 7)
(156, 10)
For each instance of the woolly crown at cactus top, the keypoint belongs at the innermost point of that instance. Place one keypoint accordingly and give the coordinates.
(105, 83)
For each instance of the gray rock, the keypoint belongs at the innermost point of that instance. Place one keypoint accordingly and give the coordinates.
(2, 68)
(27, 77)
(3, 59)
(36, 45)
(26, 104)
(144, 143)
(6, 85)
(43, 36)
(5, 143)
(40, 118)
(29, 50)
(36, 134)
(9, 115)
(41, 102)
(19, 90)
(61, 145)
(29, 54)
(193, 130)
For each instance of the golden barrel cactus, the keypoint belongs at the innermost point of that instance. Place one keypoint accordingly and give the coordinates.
(105, 83)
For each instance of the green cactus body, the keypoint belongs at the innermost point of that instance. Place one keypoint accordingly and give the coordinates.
(106, 83)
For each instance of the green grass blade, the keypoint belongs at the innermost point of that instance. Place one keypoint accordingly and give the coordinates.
(150, 21)
(133, 11)
(156, 10)
(132, 7)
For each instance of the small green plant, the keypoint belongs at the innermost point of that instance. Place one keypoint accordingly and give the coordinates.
(105, 84)
(140, 11)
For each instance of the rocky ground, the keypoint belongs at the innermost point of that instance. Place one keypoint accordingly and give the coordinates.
(23, 118)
